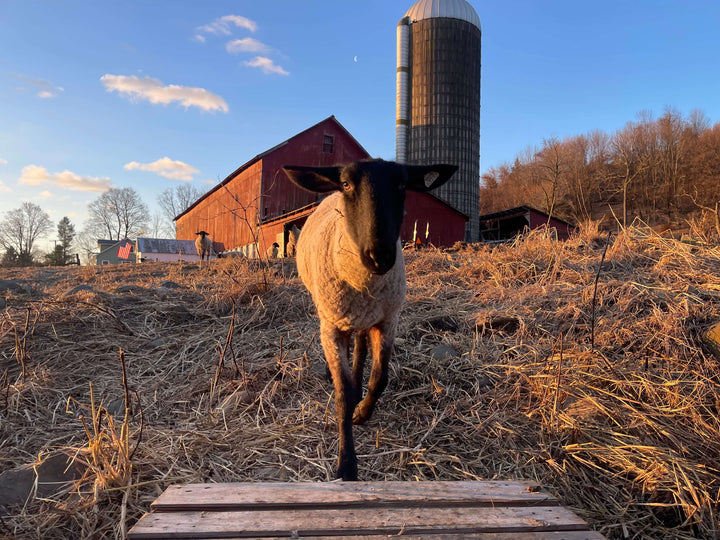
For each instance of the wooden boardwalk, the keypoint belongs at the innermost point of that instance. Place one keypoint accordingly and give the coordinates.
(361, 510)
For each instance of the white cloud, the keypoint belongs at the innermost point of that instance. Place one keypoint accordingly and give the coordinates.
(33, 175)
(3, 161)
(46, 89)
(223, 26)
(46, 194)
(246, 45)
(3, 187)
(154, 91)
(175, 170)
(266, 65)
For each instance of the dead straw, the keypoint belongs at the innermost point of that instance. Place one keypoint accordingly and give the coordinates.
(617, 413)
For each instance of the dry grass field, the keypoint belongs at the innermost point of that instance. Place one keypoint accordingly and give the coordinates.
(500, 372)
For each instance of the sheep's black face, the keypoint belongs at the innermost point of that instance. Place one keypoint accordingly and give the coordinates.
(374, 200)
(374, 195)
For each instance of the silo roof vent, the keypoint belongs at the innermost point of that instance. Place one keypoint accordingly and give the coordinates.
(452, 9)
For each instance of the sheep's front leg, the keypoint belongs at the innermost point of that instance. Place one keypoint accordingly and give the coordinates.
(381, 343)
(358, 366)
(336, 345)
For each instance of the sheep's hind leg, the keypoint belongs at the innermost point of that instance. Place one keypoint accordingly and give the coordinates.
(336, 344)
(381, 342)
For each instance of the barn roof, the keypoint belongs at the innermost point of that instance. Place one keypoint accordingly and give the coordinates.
(260, 156)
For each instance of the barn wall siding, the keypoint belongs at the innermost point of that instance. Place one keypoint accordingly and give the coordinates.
(446, 225)
(260, 189)
(229, 214)
(281, 195)
(540, 220)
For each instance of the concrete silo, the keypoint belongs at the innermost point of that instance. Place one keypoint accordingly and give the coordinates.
(438, 97)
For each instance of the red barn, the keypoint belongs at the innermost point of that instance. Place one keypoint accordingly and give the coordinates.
(432, 220)
(257, 204)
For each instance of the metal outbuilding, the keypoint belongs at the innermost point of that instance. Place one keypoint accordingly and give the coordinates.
(166, 250)
(507, 224)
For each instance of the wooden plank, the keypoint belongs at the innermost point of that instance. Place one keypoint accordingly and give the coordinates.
(356, 521)
(542, 535)
(304, 495)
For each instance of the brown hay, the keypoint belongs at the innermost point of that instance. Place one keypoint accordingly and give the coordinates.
(228, 372)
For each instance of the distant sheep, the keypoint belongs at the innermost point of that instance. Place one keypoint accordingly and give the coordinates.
(203, 244)
(350, 259)
(293, 235)
(272, 251)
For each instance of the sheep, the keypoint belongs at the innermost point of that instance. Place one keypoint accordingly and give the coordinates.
(293, 235)
(272, 251)
(203, 244)
(350, 259)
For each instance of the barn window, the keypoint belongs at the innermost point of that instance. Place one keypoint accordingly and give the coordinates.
(328, 144)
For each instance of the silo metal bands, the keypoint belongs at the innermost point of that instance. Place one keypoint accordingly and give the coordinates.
(441, 60)
(402, 117)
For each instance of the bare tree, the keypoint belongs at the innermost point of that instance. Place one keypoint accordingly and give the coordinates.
(666, 168)
(86, 243)
(159, 228)
(599, 161)
(117, 214)
(631, 160)
(671, 143)
(21, 228)
(174, 201)
(551, 162)
(698, 122)
(577, 186)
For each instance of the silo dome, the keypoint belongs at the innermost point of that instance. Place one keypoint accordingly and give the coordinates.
(451, 9)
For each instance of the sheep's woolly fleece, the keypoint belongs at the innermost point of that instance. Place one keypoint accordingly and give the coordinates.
(346, 294)
(203, 243)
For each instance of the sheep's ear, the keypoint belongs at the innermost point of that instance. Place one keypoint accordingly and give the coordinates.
(429, 177)
(315, 179)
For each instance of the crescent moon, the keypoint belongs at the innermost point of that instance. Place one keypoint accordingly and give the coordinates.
(355, 59)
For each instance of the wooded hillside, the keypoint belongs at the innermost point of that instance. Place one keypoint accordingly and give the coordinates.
(663, 171)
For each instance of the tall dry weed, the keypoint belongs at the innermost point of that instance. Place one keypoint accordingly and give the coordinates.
(625, 430)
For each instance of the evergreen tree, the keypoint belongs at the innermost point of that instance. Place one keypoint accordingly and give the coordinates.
(56, 257)
(10, 258)
(66, 236)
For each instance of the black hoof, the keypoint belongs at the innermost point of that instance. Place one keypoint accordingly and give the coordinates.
(347, 472)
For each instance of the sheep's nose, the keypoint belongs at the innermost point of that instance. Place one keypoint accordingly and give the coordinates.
(379, 262)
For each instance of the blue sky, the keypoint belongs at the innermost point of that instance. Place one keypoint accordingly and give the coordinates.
(147, 94)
